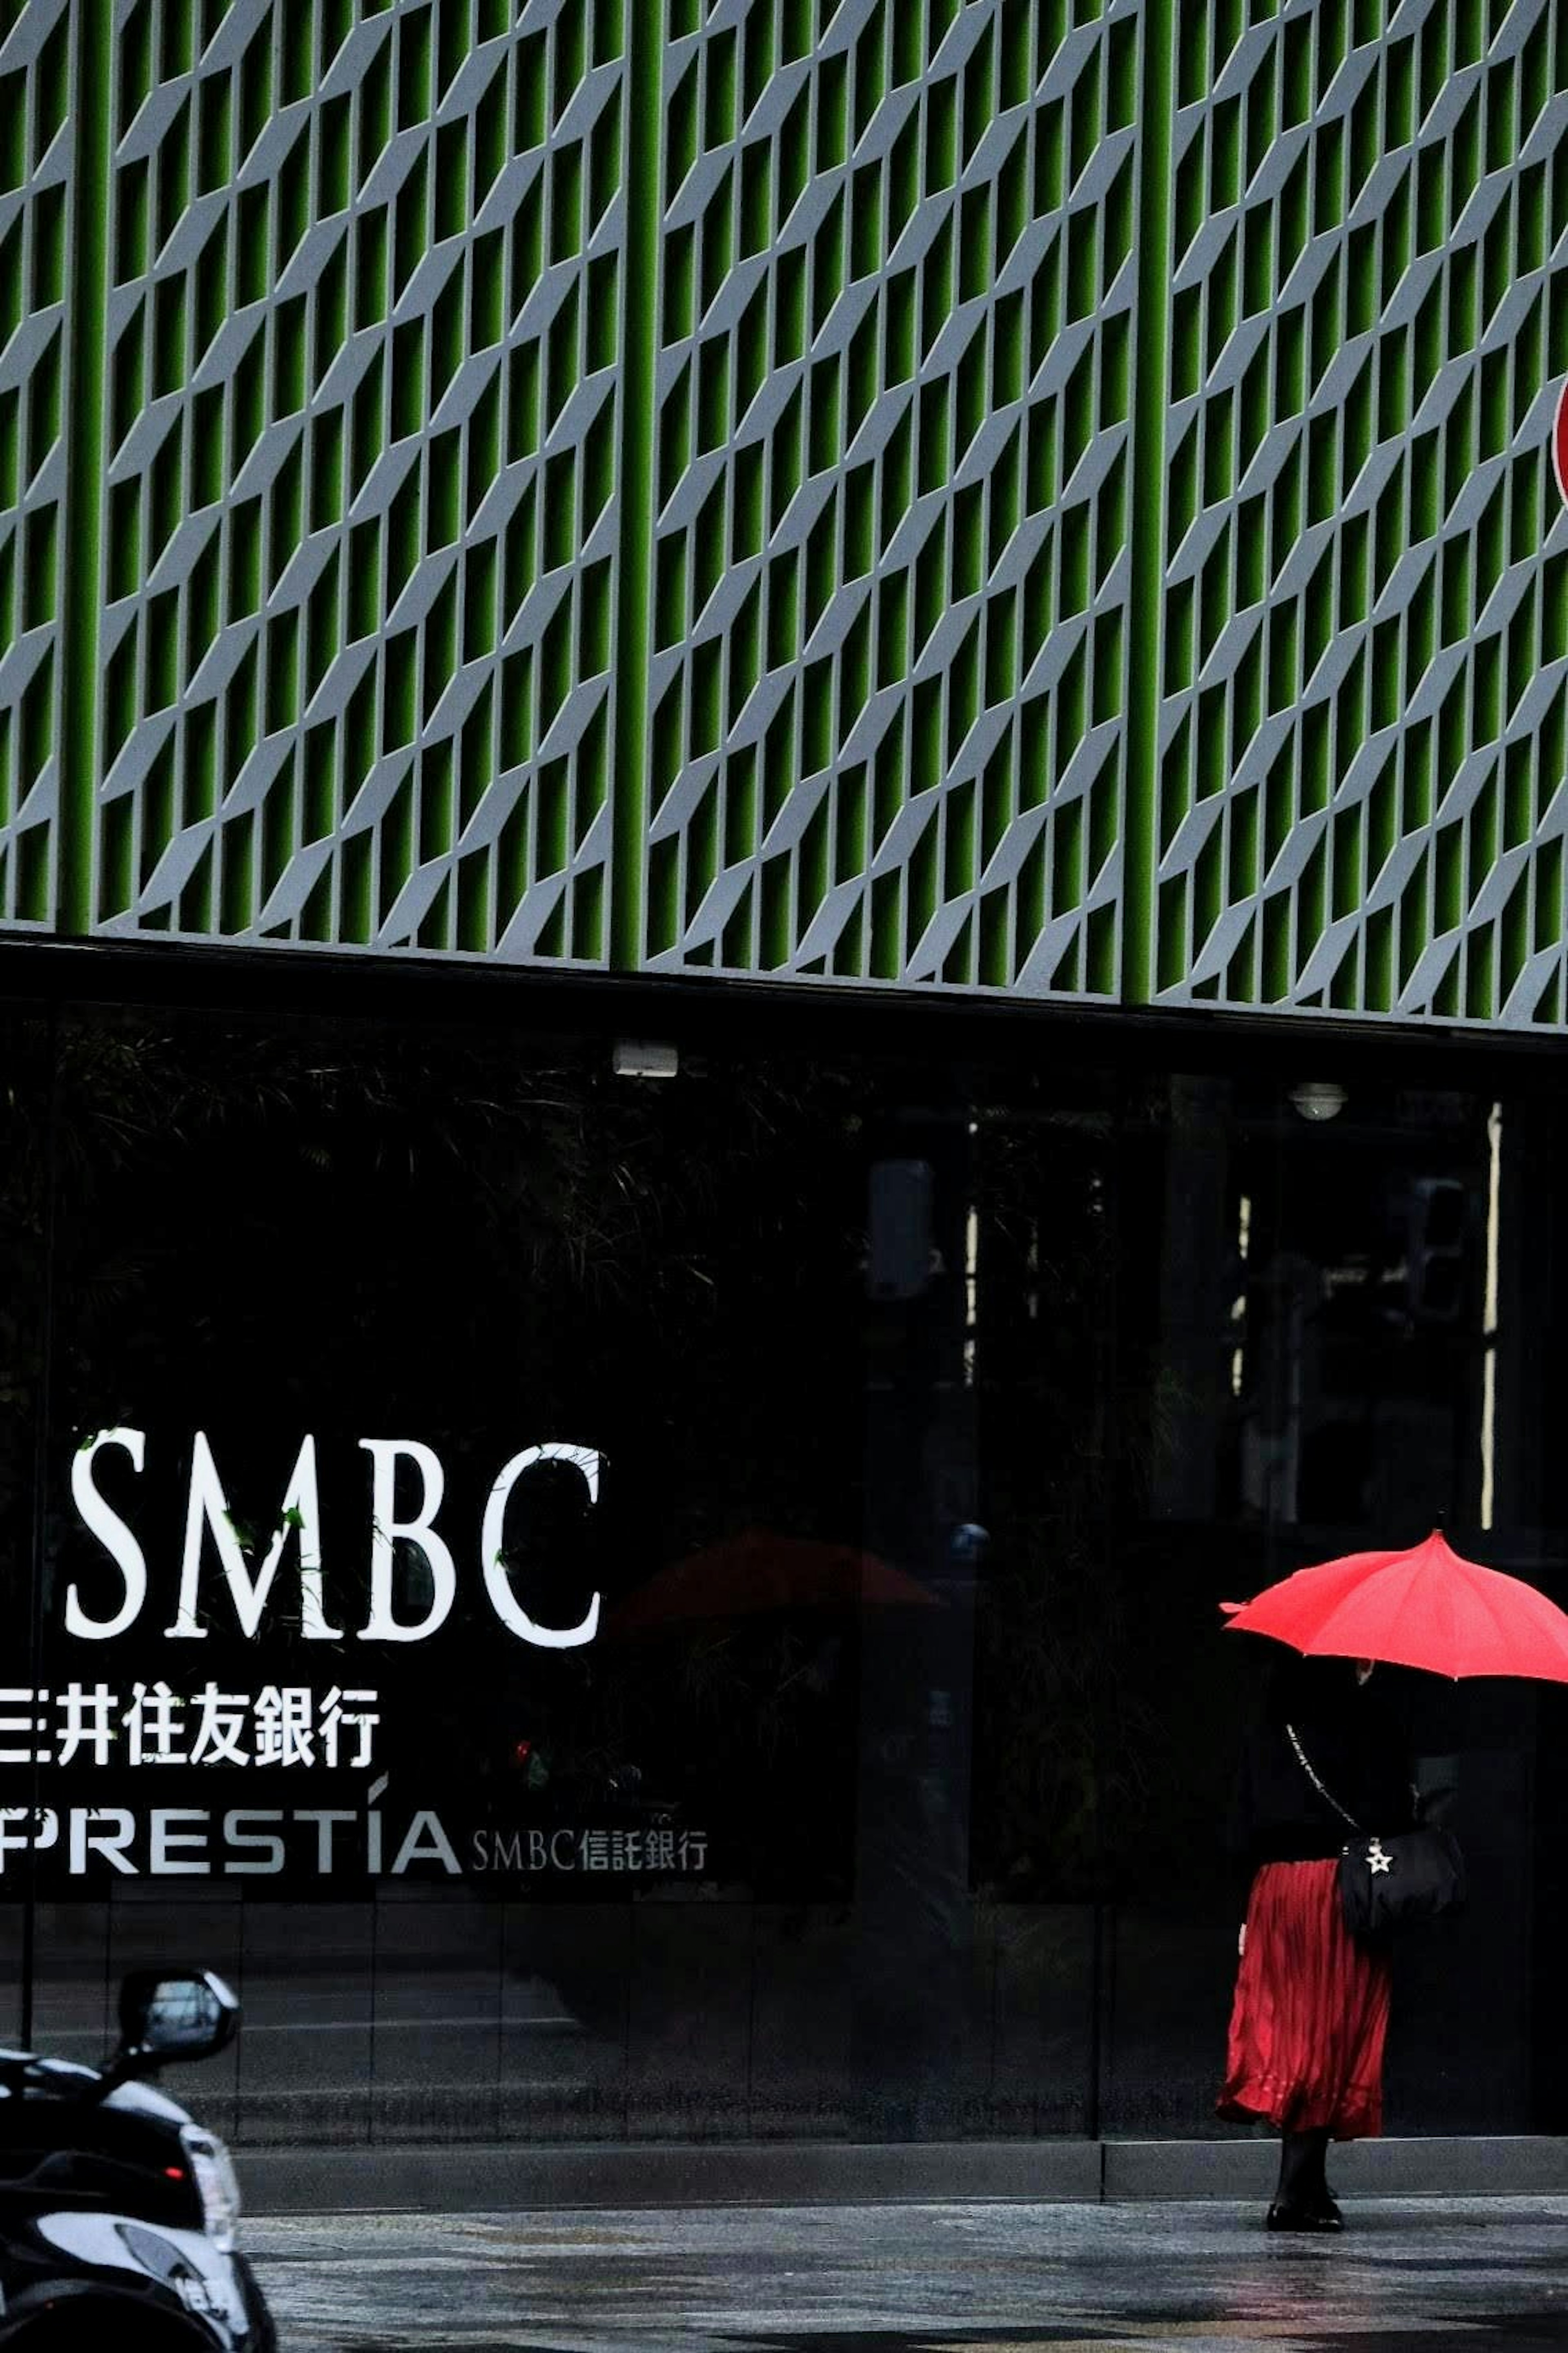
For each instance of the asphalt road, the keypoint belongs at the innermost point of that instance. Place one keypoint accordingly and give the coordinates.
(1468, 2276)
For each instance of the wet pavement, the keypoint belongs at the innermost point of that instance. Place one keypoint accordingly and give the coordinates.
(1464, 2274)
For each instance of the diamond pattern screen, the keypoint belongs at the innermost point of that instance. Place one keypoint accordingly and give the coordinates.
(1360, 798)
(360, 443)
(893, 387)
(35, 146)
(1043, 496)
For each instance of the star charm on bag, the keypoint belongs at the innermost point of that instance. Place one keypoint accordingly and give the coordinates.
(1378, 1858)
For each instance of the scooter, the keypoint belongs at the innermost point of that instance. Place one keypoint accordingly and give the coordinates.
(117, 2209)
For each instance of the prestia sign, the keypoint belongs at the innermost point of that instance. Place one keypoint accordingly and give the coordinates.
(207, 1516)
(379, 1836)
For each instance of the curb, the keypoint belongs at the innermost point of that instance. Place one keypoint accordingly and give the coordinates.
(473, 2177)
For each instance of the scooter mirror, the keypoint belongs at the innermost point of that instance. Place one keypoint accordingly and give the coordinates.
(165, 2015)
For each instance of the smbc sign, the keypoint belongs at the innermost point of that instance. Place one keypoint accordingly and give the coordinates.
(118, 1597)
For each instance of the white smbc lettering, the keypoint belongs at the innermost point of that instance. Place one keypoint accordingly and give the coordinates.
(492, 1538)
(207, 1509)
(207, 1513)
(385, 1528)
(112, 1534)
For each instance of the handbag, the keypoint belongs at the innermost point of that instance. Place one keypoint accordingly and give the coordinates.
(1391, 1883)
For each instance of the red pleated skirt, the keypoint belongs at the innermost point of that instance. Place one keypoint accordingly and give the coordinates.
(1310, 2014)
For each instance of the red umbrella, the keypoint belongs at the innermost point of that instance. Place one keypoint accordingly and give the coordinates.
(1423, 1607)
(760, 1571)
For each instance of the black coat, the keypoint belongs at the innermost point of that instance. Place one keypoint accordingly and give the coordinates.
(1357, 1740)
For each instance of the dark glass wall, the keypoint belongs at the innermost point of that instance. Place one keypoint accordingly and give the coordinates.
(624, 1607)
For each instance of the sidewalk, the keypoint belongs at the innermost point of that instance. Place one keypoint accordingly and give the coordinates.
(1470, 2274)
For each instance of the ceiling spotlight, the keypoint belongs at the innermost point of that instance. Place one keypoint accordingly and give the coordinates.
(645, 1058)
(1319, 1098)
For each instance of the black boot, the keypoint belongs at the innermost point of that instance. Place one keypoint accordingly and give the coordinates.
(1320, 2197)
(1301, 2201)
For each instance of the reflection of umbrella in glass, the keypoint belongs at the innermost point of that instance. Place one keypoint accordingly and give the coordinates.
(1424, 1607)
(744, 1575)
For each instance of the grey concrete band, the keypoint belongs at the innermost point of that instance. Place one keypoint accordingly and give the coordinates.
(476, 2178)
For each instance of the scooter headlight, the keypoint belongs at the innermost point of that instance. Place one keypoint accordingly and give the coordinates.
(212, 2170)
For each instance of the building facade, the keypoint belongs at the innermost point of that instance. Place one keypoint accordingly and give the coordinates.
(781, 813)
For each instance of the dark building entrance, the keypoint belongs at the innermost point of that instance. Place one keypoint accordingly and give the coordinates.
(617, 1606)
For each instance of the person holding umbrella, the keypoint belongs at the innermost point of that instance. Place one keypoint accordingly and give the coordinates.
(1338, 1846)
(1311, 2004)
